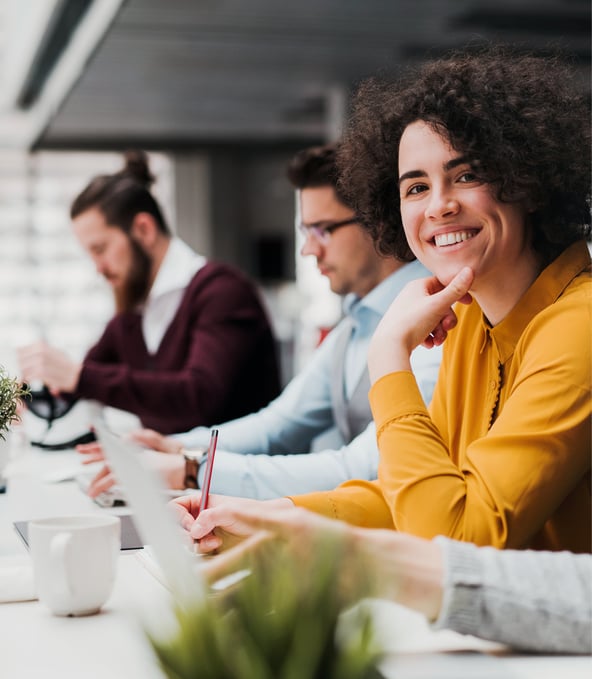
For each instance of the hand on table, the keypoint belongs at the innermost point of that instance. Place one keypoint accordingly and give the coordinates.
(148, 438)
(170, 468)
(91, 452)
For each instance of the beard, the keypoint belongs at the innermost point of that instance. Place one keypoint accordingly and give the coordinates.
(137, 283)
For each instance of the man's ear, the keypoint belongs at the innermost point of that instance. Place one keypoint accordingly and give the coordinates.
(144, 230)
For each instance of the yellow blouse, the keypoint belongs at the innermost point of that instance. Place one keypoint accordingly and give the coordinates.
(502, 457)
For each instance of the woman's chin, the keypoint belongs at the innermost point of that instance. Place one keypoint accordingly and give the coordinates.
(446, 275)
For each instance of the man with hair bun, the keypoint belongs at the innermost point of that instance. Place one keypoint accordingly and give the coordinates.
(190, 343)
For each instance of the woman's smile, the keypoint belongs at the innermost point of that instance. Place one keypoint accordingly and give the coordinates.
(444, 240)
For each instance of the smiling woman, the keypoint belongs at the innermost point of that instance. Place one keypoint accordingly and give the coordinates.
(445, 204)
(479, 165)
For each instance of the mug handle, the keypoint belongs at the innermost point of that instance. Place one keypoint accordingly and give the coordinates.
(59, 564)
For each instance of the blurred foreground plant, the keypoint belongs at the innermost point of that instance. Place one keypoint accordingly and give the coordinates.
(11, 391)
(283, 621)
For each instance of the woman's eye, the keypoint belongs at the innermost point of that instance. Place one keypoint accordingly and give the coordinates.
(468, 176)
(415, 189)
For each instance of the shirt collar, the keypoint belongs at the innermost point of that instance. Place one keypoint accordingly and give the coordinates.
(379, 298)
(178, 267)
(545, 290)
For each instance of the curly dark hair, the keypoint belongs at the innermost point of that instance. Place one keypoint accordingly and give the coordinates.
(122, 195)
(519, 119)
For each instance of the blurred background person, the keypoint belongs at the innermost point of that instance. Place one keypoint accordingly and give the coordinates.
(190, 342)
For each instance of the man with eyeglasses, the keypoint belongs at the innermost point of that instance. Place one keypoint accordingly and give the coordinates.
(269, 448)
(323, 232)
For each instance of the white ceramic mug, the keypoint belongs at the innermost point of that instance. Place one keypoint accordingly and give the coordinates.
(75, 561)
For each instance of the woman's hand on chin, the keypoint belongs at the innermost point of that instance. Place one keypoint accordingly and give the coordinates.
(420, 314)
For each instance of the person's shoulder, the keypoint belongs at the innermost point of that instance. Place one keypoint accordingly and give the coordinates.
(219, 272)
(124, 319)
(575, 300)
(565, 323)
(221, 283)
(579, 288)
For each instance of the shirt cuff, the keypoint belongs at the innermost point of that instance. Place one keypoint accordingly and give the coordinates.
(195, 438)
(462, 582)
(320, 503)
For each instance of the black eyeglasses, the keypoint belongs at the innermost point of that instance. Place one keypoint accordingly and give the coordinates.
(323, 233)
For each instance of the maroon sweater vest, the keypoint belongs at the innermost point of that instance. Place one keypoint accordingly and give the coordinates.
(217, 359)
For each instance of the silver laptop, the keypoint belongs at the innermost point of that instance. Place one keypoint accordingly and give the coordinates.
(155, 521)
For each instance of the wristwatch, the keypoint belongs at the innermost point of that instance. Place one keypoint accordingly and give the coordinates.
(193, 459)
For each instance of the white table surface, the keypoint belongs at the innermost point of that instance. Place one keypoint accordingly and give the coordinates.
(112, 644)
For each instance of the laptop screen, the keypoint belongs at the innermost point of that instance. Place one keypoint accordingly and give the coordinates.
(154, 519)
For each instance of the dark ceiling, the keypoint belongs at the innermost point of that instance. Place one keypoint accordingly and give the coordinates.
(172, 73)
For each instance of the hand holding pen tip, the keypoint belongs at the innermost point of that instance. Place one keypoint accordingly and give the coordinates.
(187, 507)
(205, 493)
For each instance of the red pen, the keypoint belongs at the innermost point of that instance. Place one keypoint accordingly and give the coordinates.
(205, 493)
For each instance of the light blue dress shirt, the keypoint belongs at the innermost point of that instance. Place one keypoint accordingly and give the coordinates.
(270, 449)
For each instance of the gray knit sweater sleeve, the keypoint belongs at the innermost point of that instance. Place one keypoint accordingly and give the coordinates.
(536, 601)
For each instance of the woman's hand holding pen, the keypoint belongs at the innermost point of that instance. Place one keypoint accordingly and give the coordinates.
(397, 566)
(219, 527)
(420, 314)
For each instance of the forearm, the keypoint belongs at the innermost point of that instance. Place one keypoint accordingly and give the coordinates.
(538, 601)
(268, 476)
(421, 314)
(360, 503)
(263, 433)
(402, 568)
(414, 460)
(242, 435)
(387, 356)
(499, 489)
(425, 364)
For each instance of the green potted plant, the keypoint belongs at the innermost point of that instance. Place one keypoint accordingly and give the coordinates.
(288, 619)
(11, 391)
